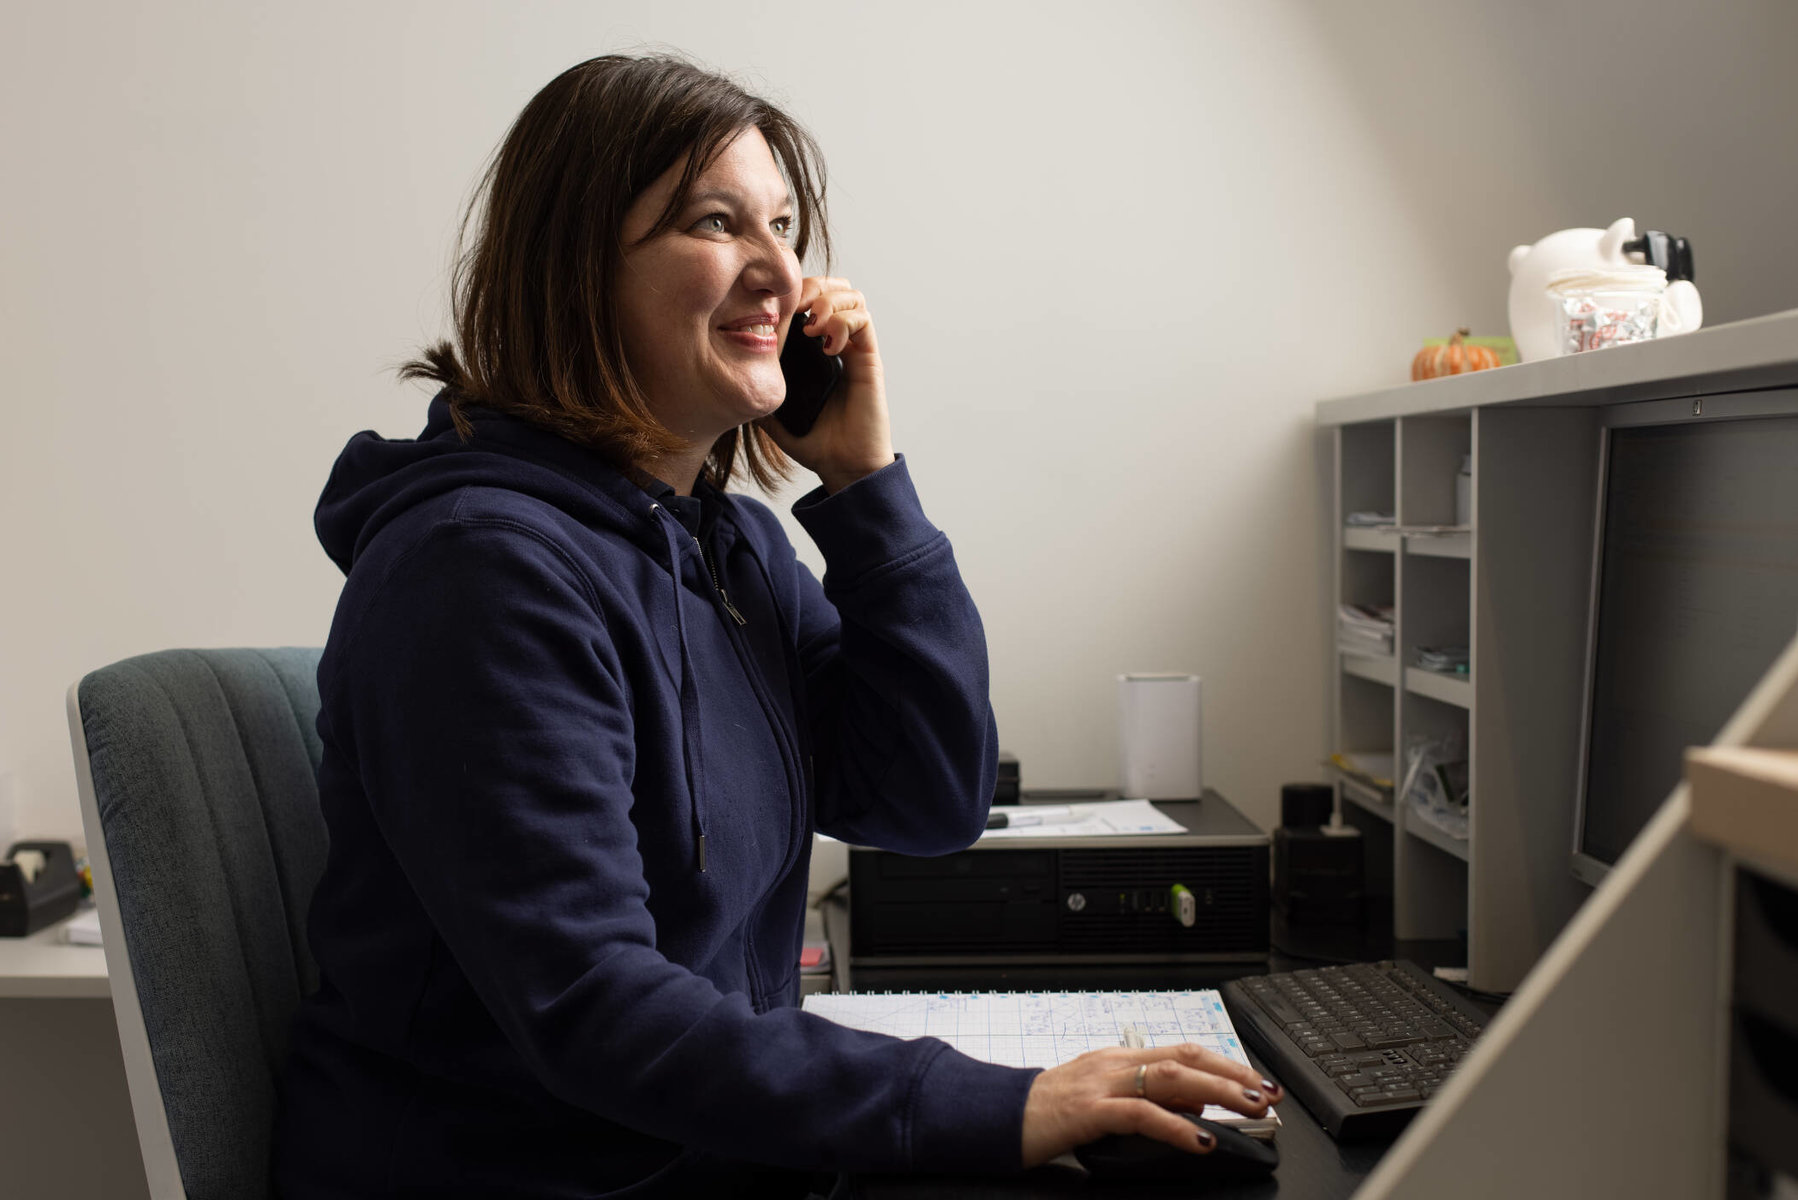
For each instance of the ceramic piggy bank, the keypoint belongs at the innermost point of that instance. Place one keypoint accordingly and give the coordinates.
(1536, 318)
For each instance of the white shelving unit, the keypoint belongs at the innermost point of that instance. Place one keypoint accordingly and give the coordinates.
(1513, 585)
(1422, 567)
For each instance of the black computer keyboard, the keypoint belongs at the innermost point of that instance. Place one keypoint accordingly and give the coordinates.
(1362, 1046)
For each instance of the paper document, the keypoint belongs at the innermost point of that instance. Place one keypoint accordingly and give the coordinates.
(1105, 818)
(1046, 1029)
(83, 929)
(1364, 629)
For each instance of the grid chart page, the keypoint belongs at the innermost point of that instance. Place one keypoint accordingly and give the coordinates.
(1039, 1029)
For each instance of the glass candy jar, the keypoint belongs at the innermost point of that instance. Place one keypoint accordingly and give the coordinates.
(1607, 306)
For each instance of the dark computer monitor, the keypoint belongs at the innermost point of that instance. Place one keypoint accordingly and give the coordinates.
(1695, 593)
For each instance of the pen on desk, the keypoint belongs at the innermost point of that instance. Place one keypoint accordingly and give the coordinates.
(1041, 816)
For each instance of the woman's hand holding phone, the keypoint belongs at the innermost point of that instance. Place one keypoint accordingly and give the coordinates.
(851, 437)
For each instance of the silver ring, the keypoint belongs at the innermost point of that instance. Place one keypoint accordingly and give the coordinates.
(1142, 1079)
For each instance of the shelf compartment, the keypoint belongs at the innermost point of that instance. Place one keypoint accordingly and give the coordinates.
(1458, 544)
(1430, 453)
(1370, 537)
(1427, 717)
(1436, 607)
(1424, 832)
(1367, 457)
(1376, 668)
(1366, 715)
(1449, 689)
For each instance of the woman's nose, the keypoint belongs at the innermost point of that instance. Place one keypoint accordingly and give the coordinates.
(773, 269)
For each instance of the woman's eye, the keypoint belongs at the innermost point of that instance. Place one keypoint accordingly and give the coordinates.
(712, 223)
(783, 227)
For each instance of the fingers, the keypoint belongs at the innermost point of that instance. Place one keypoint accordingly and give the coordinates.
(1152, 1120)
(818, 285)
(839, 328)
(825, 303)
(1172, 1084)
(838, 312)
(1200, 1059)
(1097, 1093)
(1190, 1076)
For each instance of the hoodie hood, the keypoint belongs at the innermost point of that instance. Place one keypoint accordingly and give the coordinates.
(377, 479)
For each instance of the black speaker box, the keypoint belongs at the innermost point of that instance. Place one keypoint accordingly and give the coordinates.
(1317, 867)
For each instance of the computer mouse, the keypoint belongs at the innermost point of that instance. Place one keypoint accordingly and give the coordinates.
(1134, 1156)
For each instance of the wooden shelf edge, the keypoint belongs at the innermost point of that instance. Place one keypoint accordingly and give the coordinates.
(1367, 799)
(1371, 667)
(1753, 353)
(1429, 543)
(1370, 537)
(1440, 545)
(1449, 689)
(1745, 800)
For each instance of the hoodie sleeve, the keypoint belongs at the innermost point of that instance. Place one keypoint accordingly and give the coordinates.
(491, 725)
(895, 666)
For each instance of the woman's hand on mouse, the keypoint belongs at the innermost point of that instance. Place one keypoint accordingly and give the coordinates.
(852, 437)
(1121, 1090)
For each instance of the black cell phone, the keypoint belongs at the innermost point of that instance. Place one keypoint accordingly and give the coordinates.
(812, 376)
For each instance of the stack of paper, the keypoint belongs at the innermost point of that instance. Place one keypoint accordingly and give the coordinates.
(1107, 818)
(1364, 628)
(1447, 660)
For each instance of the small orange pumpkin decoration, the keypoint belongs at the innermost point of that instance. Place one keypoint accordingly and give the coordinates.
(1456, 358)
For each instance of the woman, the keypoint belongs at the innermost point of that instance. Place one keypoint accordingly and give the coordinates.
(582, 711)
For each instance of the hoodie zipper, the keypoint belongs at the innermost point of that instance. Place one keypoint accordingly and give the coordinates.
(789, 752)
(705, 553)
(786, 739)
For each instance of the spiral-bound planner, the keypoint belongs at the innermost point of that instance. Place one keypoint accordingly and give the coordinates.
(1046, 1029)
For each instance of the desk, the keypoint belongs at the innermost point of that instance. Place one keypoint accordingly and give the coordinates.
(1312, 1165)
(66, 1128)
(44, 967)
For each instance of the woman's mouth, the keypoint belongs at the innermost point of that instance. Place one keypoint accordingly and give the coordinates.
(753, 334)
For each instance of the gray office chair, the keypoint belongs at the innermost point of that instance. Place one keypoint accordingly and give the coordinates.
(199, 795)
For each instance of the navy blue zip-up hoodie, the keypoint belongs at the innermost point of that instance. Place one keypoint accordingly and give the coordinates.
(573, 758)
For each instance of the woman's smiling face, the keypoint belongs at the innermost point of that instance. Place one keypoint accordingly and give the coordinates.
(704, 305)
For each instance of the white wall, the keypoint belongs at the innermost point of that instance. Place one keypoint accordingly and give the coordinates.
(1116, 253)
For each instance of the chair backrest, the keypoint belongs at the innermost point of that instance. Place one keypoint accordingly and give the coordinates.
(199, 795)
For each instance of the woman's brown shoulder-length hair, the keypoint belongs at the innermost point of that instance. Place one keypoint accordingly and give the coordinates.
(536, 335)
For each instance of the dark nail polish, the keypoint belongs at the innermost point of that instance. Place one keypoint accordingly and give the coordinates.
(1206, 1139)
(1251, 1095)
(1270, 1087)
